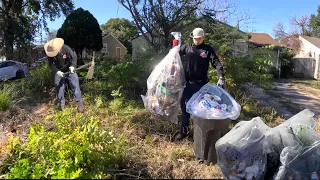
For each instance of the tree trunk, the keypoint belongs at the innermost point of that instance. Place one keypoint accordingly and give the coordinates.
(79, 56)
(166, 39)
(8, 46)
(8, 38)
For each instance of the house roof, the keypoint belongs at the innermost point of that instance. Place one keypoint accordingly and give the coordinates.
(229, 25)
(107, 35)
(262, 39)
(313, 40)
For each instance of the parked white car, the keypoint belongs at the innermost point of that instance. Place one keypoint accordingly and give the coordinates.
(12, 69)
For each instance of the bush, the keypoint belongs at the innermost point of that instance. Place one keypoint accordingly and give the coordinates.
(76, 148)
(40, 79)
(4, 100)
(9, 95)
(132, 75)
(286, 59)
(243, 69)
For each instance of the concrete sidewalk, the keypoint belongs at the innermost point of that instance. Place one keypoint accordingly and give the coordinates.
(299, 96)
(286, 98)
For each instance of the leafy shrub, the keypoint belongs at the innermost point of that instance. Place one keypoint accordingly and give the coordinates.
(243, 69)
(132, 75)
(76, 148)
(286, 59)
(40, 79)
(4, 100)
(9, 95)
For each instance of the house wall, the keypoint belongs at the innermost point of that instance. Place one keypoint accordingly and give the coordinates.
(85, 54)
(273, 55)
(239, 46)
(139, 45)
(308, 51)
(2, 58)
(304, 67)
(112, 45)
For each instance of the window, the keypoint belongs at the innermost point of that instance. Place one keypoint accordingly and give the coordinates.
(105, 48)
(10, 64)
(6, 64)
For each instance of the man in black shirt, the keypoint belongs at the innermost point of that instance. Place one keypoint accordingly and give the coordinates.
(62, 59)
(199, 56)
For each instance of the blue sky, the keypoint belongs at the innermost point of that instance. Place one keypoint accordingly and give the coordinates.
(265, 13)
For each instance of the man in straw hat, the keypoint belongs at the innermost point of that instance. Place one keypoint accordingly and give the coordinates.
(199, 55)
(62, 59)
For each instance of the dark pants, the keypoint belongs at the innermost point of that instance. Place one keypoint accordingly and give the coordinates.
(189, 90)
(60, 83)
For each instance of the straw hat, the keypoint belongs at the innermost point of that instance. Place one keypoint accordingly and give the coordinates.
(53, 47)
(197, 33)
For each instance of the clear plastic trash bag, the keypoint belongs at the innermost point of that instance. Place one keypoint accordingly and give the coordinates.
(241, 152)
(213, 102)
(165, 85)
(295, 133)
(300, 162)
(283, 135)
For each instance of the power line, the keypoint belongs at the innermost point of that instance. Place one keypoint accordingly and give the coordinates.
(118, 9)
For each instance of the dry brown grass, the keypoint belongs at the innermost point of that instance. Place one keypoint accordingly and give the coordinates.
(318, 126)
(17, 120)
(149, 151)
(151, 154)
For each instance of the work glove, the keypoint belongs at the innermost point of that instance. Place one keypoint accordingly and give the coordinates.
(71, 69)
(60, 74)
(221, 82)
(175, 43)
(177, 38)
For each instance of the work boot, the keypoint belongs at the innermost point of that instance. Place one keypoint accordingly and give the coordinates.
(184, 132)
(179, 137)
(80, 108)
(60, 107)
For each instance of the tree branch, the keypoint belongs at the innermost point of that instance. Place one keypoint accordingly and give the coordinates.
(132, 9)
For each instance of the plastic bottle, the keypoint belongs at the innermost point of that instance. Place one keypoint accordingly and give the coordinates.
(223, 107)
(314, 176)
(173, 69)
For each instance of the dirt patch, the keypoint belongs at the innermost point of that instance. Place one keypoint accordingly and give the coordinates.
(268, 99)
(309, 90)
(18, 119)
(288, 99)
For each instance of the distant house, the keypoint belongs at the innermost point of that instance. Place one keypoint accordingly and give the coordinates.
(2, 58)
(307, 58)
(262, 40)
(140, 45)
(112, 47)
(239, 46)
